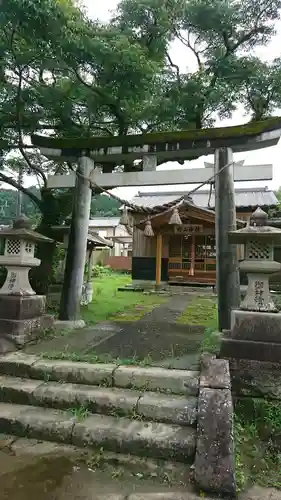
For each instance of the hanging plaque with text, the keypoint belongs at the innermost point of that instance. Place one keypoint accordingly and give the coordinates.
(188, 229)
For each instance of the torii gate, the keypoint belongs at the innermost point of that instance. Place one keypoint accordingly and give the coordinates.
(152, 149)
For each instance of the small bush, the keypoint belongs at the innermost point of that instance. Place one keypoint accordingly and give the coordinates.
(99, 271)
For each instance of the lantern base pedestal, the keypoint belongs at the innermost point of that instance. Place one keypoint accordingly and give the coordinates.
(256, 326)
(23, 331)
(22, 317)
(255, 379)
(253, 344)
(21, 307)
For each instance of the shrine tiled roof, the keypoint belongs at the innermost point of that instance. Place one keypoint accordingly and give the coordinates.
(244, 198)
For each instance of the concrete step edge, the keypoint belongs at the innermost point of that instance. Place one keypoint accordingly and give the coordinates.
(153, 406)
(111, 375)
(121, 435)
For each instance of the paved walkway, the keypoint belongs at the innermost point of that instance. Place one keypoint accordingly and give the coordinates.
(30, 469)
(156, 338)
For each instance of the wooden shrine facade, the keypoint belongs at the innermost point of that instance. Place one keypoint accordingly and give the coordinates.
(186, 252)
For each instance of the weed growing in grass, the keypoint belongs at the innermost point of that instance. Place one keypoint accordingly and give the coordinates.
(258, 460)
(211, 341)
(79, 413)
(97, 359)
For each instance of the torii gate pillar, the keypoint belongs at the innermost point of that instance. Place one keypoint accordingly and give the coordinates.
(77, 246)
(227, 279)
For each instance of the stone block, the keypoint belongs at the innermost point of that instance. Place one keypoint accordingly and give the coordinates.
(16, 307)
(135, 437)
(255, 378)
(172, 409)
(23, 331)
(23, 446)
(108, 400)
(246, 349)
(38, 423)
(214, 460)
(164, 495)
(7, 345)
(17, 390)
(54, 395)
(17, 364)
(256, 326)
(214, 373)
(75, 372)
(96, 399)
(69, 325)
(154, 378)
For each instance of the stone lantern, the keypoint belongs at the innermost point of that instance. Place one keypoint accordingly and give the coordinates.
(21, 310)
(255, 333)
(259, 240)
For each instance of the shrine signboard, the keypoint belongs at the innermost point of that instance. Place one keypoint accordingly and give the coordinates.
(189, 229)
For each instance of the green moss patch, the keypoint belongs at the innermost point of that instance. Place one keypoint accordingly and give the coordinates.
(201, 311)
(139, 310)
(249, 129)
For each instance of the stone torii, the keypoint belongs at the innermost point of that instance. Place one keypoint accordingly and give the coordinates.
(153, 148)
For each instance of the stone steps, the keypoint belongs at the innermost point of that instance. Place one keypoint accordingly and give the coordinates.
(143, 411)
(153, 406)
(125, 409)
(110, 375)
(115, 434)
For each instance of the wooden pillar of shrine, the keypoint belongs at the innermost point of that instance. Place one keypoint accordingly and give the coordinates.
(192, 256)
(158, 259)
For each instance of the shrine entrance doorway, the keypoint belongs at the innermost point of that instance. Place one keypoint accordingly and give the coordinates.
(192, 259)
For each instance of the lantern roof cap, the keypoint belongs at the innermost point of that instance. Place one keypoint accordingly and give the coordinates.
(22, 229)
(256, 229)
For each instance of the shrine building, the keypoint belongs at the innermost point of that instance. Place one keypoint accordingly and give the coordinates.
(174, 234)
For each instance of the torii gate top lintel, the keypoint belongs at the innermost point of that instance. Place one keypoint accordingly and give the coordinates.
(173, 146)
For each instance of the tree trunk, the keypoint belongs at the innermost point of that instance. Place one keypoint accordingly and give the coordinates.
(53, 213)
(76, 253)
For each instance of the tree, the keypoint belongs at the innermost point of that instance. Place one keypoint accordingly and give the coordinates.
(105, 206)
(83, 78)
(215, 35)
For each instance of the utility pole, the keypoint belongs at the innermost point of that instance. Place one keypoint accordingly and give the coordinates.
(77, 246)
(228, 282)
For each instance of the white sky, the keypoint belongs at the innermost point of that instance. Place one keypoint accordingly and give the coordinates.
(102, 10)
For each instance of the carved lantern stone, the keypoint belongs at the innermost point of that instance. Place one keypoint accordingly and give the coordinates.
(18, 258)
(22, 311)
(259, 240)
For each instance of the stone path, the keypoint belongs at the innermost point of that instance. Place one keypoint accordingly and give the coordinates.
(155, 338)
(167, 312)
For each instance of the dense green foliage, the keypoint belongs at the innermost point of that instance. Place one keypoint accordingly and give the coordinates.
(66, 75)
(102, 206)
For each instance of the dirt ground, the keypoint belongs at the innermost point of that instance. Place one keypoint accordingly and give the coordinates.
(32, 469)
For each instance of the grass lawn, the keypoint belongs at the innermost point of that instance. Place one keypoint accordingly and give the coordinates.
(108, 303)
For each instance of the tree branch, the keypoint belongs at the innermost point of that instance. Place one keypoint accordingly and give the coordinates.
(19, 117)
(175, 66)
(12, 182)
(187, 43)
(111, 105)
